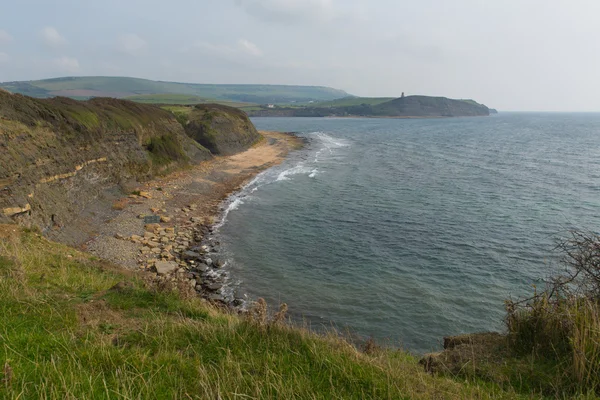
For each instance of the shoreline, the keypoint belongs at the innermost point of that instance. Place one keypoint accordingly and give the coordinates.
(177, 247)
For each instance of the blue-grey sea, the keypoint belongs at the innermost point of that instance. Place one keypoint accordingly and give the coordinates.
(409, 230)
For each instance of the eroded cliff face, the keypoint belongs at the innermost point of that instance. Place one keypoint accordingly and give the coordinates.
(221, 129)
(58, 155)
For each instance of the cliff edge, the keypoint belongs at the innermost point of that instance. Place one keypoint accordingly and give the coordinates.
(58, 155)
(221, 129)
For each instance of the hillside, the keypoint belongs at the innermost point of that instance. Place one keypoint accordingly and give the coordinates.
(120, 87)
(183, 99)
(220, 129)
(352, 101)
(58, 155)
(403, 107)
(76, 327)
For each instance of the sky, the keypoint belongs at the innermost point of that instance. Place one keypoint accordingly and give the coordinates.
(514, 55)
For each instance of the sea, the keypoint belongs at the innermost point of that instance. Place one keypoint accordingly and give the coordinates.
(409, 230)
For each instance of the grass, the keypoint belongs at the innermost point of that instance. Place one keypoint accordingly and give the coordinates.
(182, 99)
(75, 327)
(166, 149)
(352, 101)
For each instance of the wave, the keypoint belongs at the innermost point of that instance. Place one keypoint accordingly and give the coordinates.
(321, 144)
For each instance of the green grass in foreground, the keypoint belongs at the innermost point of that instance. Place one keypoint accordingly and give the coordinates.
(64, 333)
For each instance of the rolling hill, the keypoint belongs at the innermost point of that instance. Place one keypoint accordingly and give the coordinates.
(121, 87)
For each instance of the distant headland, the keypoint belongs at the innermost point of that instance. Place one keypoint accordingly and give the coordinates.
(255, 100)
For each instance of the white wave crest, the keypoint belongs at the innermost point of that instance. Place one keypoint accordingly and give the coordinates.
(296, 170)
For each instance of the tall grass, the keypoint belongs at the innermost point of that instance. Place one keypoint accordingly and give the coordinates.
(561, 325)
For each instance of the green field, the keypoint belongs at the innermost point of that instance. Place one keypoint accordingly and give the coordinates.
(352, 101)
(183, 99)
(124, 87)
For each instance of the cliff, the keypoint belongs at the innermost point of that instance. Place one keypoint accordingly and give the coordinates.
(58, 155)
(425, 106)
(221, 129)
(403, 107)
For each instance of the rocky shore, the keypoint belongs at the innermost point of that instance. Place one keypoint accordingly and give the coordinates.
(164, 228)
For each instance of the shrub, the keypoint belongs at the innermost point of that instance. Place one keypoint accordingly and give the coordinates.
(562, 323)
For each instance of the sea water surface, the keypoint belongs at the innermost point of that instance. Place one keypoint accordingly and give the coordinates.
(408, 230)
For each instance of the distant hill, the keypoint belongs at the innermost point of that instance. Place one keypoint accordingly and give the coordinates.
(121, 87)
(352, 101)
(403, 107)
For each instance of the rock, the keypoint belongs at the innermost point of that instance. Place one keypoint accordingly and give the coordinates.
(151, 227)
(237, 302)
(199, 288)
(208, 261)
(214, 286)
(218, 263)
(216, 297)
(119, 236)
(136, 238)
(164, 219)
(156, 250)
(145, 195)
(190, 255)
(165, 267)
(193, 283)
(155, 210)
(153, 244)
(196, 220)
(201, 267)
(164, 240)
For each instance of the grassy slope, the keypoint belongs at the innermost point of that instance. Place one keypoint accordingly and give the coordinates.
(136, 86)
(64, 333)
(352, 101)
(182, 99)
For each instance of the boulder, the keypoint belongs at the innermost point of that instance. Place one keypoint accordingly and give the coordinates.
(201, 267)
(166, 267)
(214, 286)
(190, 255)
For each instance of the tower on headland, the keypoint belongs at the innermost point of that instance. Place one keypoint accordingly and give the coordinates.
(402, 95)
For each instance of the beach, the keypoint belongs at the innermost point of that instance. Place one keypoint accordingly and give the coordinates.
(185, 205)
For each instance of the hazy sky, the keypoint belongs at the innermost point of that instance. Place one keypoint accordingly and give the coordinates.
(508, 54)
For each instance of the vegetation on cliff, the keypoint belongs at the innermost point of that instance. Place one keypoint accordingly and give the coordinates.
(409, 106)
(221, 129)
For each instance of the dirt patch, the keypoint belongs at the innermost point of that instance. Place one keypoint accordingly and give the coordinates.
(97, 314)
(9, 230)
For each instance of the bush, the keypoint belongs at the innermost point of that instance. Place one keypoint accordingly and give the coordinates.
(562, 323)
